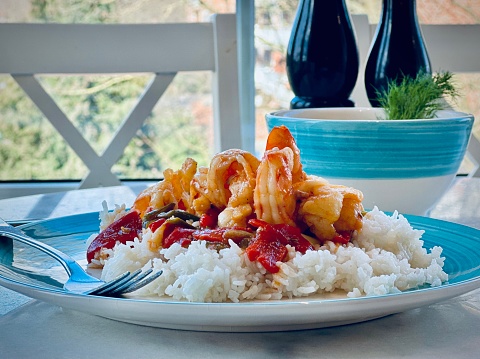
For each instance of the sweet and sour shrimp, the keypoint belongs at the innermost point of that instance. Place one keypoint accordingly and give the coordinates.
(174, 188)
(328, 209)
(274, 198)
(279, 170)
(274, 189)
(230, 183)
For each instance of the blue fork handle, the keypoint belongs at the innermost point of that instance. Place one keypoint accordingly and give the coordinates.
(70, 265)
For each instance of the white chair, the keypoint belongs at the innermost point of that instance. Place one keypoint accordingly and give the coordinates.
(161, 49)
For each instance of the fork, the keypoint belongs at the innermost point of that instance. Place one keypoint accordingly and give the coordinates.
(79, 281)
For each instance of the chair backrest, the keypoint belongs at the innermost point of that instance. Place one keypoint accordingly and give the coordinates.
(161, 49)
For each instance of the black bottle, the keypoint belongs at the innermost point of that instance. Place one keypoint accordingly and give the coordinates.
(322, 55)
(398, 48)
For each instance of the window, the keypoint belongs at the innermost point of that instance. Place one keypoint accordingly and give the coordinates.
(180, 125)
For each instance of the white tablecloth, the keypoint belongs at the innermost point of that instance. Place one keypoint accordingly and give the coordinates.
(32, 329)
(445, 330)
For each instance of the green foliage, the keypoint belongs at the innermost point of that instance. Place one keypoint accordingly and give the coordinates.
(30, 148)
(36, 152)
(96, 105)
(165, 141)
(73, 11)
(419, 97)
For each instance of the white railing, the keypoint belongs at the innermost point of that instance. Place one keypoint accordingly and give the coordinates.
(208, 46)
(161, 49)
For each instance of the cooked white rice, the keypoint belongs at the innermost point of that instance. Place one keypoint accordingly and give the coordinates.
(387, 256)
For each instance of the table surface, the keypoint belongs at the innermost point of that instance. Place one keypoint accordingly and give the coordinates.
(30, 328)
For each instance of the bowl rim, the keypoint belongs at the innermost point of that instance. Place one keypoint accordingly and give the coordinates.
(281, 114)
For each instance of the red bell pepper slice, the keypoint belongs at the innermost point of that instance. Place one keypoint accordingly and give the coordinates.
(156, 224)
(293, 236)
(212, 235)
(122, 230)
(286, 234)
(269, 246)
(210, 218)
(187, 235)
(342, 237)
(267, 249)
(181, 235)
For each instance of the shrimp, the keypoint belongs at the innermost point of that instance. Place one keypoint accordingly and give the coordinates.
(279, 170)
(198, 192)
(328, 209)
(229, 185)
(281, 137)
(174, 188)
(274, 198)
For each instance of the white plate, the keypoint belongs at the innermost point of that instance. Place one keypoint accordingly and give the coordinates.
(29, 272)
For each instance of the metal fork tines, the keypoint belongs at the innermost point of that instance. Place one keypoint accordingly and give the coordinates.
(79, 281)
(126, 283)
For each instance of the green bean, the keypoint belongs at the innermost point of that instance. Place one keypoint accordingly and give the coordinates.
(178, 222)
(149, 216)
(178, 213)
(237, 234)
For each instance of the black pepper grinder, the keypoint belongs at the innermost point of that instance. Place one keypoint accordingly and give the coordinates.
(322, 55)
(398, 48)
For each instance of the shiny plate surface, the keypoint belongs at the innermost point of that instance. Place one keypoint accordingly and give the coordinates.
(34, 274)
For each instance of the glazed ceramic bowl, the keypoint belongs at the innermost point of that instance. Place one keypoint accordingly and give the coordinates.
(404, 165)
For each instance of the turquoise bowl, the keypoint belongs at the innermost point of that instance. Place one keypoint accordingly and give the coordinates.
(404, 165)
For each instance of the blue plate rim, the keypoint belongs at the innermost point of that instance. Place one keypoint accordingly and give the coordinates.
(413, 219)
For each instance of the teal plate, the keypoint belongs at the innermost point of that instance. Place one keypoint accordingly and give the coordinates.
(30, 272)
